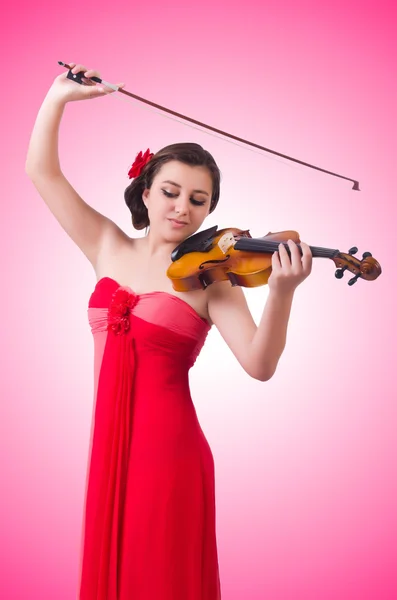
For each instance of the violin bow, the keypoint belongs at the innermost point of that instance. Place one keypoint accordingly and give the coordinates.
(78, 78)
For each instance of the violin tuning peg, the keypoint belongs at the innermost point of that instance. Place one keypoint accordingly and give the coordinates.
(339, 272)
(366, 255)
(353, 279)
(353, 250)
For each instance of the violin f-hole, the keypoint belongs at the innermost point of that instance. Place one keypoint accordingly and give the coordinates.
(214, 261)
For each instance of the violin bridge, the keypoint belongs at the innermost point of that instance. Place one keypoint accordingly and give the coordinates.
(226, 241)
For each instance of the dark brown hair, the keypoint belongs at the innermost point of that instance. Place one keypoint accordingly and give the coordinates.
(188, 153)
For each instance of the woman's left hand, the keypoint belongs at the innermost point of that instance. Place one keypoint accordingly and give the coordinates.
(288, 273)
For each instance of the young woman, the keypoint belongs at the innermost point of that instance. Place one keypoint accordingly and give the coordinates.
(149, 514)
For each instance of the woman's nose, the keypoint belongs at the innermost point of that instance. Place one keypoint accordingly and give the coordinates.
(182, 205)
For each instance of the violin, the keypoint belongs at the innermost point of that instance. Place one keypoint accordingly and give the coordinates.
(233, 254)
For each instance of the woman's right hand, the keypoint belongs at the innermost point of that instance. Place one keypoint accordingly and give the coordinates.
(66, 90)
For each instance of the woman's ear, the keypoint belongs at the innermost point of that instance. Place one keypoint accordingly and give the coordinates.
(145, 197)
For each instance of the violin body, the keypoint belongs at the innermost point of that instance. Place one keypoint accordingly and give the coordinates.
(232, 254)
(196, 270)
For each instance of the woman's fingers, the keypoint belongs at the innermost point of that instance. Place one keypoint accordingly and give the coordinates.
(95, 89)
(296, 262)
(276, 264)
(92, 73)
(89, 73)
(307, 257)
(78, 68)
(283, 255)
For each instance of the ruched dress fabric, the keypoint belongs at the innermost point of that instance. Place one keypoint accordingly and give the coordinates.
(149, 528)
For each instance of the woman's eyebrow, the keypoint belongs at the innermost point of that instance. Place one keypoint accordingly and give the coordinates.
(177, 185)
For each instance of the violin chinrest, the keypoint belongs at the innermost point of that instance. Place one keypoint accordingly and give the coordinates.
(199, 242)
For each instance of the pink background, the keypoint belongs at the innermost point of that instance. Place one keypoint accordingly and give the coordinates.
(306, 463)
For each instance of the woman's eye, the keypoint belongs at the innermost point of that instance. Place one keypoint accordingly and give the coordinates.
(168, 194)
(195, 202)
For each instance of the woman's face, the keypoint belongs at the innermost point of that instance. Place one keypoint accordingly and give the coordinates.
(181, 193)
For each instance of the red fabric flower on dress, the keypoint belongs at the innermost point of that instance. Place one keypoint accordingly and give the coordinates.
(123, 301)
(140, 161)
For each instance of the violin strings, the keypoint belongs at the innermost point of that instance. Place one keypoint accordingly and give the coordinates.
(272, 246)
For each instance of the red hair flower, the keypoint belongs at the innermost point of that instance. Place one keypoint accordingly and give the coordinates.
(123, 301)
(140, 161)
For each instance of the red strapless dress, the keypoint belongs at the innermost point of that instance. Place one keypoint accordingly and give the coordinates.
(149, 515)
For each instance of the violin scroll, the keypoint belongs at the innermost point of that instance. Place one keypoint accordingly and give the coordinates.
(367, 268)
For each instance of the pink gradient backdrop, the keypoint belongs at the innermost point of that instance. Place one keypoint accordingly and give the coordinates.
(306, 463)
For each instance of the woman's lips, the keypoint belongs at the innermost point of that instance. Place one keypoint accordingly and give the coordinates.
(176, 223)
